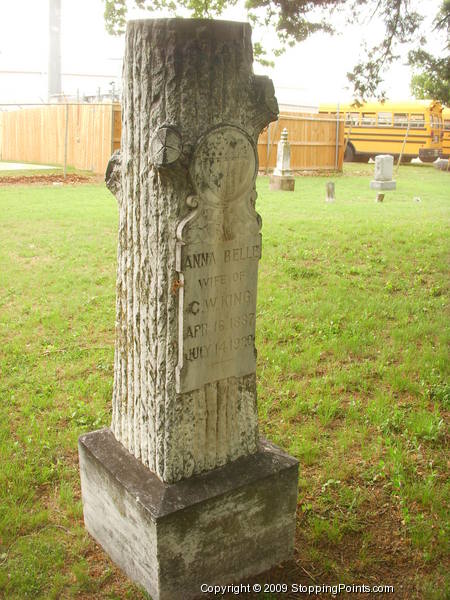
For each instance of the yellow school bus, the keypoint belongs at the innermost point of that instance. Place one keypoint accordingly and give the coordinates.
(411, 128)
(446, 138)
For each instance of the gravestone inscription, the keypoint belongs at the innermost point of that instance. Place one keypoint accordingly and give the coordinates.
(217, 311)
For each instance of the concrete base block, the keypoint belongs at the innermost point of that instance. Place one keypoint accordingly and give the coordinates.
(285, 183)
(383, 185)
(215, 528)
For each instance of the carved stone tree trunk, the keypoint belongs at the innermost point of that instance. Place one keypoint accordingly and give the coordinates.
(184, 397)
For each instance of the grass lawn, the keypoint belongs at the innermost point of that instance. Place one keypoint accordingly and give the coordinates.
(352, 337)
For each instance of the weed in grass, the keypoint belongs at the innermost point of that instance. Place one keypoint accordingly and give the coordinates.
(327, 410)
(29, 579)
(351, 498)
(421, 533)
(425, 425)
(305, 446)
(384, 414)
(439, 391)
(431, 591)
(325, 530)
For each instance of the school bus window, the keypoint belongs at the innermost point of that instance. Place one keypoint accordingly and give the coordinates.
(384, 119)
(352, 118)
(417, 121)
(447, 125)
(368, 120)
(400, 120)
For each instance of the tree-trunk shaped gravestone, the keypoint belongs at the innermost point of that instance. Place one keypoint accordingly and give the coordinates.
(181, 491)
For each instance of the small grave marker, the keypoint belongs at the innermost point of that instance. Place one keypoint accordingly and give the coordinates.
(282, 177)
(330, 197)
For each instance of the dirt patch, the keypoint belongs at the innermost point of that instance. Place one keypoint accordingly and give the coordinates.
(53, 179)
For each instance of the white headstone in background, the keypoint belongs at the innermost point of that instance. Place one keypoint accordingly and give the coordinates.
(283, 155)
(384, 168)
(282, 177)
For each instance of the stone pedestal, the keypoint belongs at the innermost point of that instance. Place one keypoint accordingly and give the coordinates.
(282, 177)
(384, 167)
(285, 183)
(383, 185)
(215, 528)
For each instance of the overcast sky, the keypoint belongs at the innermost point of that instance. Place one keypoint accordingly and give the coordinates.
(308, 74)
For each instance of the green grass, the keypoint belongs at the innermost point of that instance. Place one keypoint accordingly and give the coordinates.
(352, 341)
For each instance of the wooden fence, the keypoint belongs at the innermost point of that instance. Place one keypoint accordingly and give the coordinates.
(38, 135)
(317, 142)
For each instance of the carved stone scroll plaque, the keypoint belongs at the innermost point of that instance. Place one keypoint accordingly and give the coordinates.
(218, 250)
(217, 309)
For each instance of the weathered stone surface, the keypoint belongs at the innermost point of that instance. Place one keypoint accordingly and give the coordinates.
(214, 528)
(384, 167)
(218, 250)
(185, 184)
(180, 491)
(284, 183)
(330, 188)
(383, 185)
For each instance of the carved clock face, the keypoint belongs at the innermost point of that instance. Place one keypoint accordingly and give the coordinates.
(224, 165)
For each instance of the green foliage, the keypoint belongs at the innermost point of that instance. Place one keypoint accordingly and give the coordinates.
(296, 20)
(433, 82)
(433, 77)
(116, 10)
